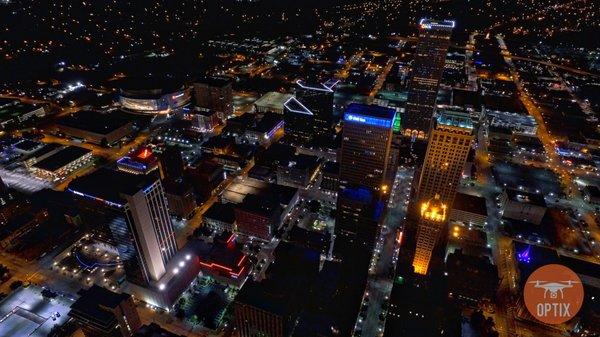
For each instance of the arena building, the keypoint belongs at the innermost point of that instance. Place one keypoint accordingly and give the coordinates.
(153, 96)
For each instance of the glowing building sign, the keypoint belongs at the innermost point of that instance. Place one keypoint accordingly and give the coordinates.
(368, 120)
(110, 203)
(145, 153)
(397, 127)
(428, 24)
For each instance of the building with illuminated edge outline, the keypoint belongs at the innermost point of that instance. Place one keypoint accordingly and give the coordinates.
(309, 113)
(140, 161)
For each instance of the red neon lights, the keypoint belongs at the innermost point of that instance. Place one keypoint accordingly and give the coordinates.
(230, 242)
(144, 154)
(213, 265)
(238, 274)
(241, 260)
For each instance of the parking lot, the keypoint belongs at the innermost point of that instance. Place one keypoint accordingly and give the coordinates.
(27, 312)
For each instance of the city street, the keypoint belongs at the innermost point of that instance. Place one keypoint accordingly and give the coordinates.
(380, 282)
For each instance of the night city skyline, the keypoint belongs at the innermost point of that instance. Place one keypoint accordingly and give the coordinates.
(316, 168)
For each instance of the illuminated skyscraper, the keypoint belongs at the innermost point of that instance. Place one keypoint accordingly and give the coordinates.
(447, 151)
(130, 211)
(318, 98)
(365, 152)
(309, 113)
(427, 69)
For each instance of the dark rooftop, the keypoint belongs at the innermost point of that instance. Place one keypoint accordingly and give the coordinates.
(268, 122)
(214, 81)
(331, 167)
(48, 147)
(62, 158)
(526, 197)
(96, 122)
(221, 212)
(108, 185)
(154, 330)
(93, 299)
(470, 203)
(259, 205)
(27, 145)
(302, 161)
(149, 86)
(287, 279)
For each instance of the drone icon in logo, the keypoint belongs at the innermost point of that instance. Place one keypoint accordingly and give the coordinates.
(553, 287)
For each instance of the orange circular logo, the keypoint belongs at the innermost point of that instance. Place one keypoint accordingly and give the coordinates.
(553, 294)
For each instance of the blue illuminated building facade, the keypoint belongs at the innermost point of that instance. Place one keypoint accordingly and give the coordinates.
(364, 158)
(366, 142)
(129, 212)
(357, 221)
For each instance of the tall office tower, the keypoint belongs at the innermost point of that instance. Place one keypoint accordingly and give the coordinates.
(299, 122)
(366, 141)
(359, 211)
(215, 93)
(318, 98)
(102, 313)
(130, 212)
(309, 114)
(170, 163)
(427, 69)
(447, 151)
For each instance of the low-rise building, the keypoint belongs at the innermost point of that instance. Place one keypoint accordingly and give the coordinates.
(523, 206)
(469, 209)
(299, 171)
(272, 101)
(220, 216)
(258, 217)
(13, 114)
(140, 161)
(262, 132)
(95, 127)
(42, 153)
(202, 120)
(471, 278)
(102, 313)
(60, 164)
(225, 261)
(180, 198)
